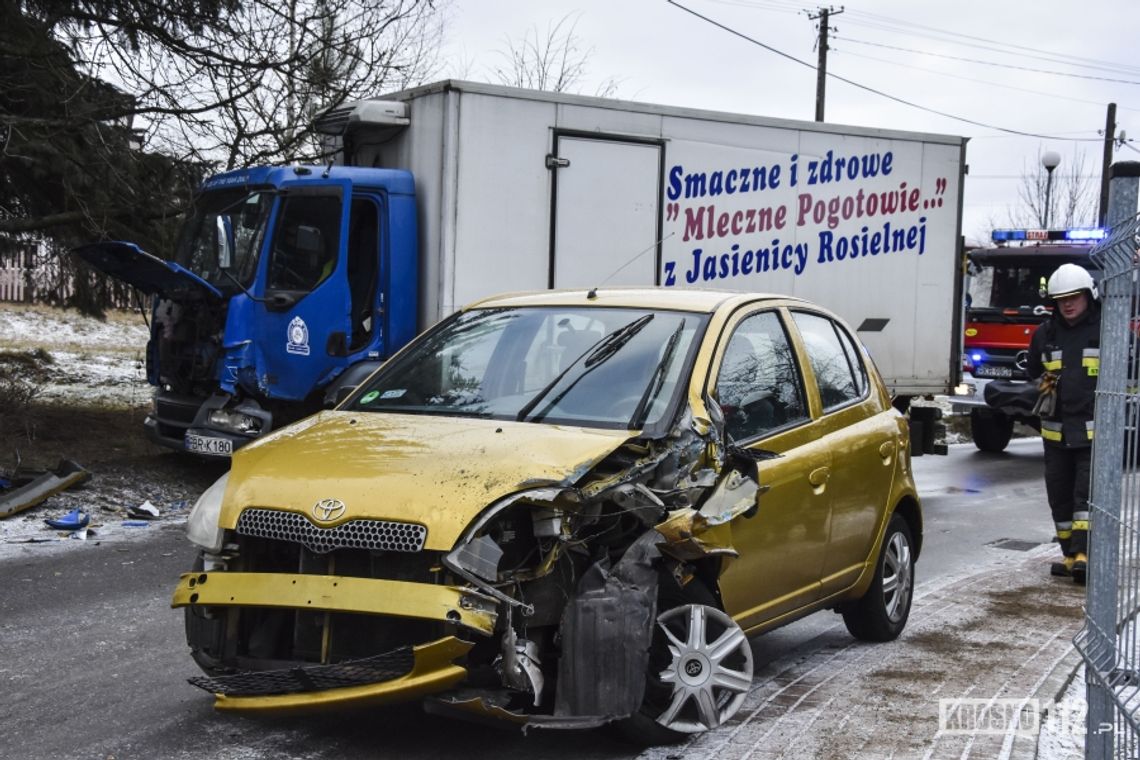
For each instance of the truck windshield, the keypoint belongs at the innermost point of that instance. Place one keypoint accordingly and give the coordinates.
(996, 285)
(224, 232)
(1012, 278)
(596, 367)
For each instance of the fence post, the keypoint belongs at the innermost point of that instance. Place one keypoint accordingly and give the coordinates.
(1103, 660)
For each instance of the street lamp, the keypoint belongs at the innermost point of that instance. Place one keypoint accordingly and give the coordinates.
(1051, 159)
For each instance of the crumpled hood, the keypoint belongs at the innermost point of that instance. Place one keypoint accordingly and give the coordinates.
(440, 472)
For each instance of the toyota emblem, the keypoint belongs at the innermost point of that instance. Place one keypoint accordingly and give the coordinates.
(1021, 361)
(327, 510)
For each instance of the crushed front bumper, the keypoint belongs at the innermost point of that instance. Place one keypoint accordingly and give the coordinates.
(407, 673)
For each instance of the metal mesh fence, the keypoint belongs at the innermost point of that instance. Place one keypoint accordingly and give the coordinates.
(1110, 639)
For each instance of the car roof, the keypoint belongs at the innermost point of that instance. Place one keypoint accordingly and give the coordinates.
(688, 299)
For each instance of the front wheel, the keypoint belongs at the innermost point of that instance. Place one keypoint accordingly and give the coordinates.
(991, 430)
(881, 613)
(700, 672)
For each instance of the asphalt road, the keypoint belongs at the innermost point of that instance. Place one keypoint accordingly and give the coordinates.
(93, 660)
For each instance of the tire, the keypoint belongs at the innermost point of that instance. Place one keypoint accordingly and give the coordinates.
(881, 613)
(203, 633)
(990, 430)
(700, 671)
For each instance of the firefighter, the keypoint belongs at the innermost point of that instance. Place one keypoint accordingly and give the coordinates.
(1064, 356)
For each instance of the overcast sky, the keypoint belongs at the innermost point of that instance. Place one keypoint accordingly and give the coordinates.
(985, 61)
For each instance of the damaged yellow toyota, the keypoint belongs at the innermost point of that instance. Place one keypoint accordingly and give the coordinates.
(561, 509)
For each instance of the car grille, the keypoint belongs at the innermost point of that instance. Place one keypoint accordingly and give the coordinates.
(375, 535)
(377, 669)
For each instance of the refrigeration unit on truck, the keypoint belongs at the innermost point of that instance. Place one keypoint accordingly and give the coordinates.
(1005, 302)
(292, 283)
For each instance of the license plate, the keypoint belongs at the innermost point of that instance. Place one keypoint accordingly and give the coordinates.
(201, 444)
(991, 370)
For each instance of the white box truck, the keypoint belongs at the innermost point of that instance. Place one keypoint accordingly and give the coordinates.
(521, 189)
(292, 282)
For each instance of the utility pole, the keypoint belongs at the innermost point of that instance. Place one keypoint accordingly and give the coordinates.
(821, 69)
(1106, 164)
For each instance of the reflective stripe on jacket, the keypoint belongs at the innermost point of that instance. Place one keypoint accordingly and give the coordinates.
(1072, 353)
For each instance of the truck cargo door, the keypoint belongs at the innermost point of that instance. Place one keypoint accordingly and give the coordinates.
(605, 223)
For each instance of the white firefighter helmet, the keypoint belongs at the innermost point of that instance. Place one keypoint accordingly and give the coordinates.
(1070, 279)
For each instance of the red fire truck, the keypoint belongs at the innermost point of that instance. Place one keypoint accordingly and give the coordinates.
(1005, 302)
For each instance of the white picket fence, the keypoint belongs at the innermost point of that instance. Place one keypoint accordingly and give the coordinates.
(30, 274)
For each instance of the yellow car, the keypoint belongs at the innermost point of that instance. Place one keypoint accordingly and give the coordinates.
(562, 509)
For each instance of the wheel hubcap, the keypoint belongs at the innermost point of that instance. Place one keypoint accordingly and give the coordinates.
(710, 670)
(898, 578)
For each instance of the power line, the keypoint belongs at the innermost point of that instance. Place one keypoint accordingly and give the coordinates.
(988, 63)
(880, 93)
(971, 79)
(886, 23)
(1001, 46)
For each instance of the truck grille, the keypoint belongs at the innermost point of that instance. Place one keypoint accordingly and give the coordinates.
(375, 535)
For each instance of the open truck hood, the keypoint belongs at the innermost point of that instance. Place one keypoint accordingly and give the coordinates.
(441, 472)
(139, 269)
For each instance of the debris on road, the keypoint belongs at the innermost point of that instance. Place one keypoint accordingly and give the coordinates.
(35, 492)
(144, 511)
(73, 520)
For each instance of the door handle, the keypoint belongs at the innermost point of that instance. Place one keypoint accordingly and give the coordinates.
(819, 476)
(887, 449)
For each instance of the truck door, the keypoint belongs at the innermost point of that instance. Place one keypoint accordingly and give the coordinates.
(606, 227)
(303, 326)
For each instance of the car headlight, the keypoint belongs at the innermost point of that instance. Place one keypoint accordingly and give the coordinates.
(234, 422)
(202, 526)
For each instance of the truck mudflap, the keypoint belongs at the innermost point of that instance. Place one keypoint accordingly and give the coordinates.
(134, 266)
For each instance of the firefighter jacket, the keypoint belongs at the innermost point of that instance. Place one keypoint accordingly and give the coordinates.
(1071, 353)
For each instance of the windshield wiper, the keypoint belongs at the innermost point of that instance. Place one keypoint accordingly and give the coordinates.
(593, 357)
(657, 381)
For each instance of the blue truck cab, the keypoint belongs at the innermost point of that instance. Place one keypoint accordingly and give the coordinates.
(287, 283)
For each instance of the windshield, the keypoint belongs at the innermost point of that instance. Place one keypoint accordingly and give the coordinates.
(224, 232)
(600, 367)
(1008, 286)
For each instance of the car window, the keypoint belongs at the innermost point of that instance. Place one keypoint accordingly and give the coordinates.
(759, 384)
(854, 358)
(838, 382)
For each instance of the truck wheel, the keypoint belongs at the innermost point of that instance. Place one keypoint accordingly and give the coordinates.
(990, 430)
(882, 612)
(700, 671)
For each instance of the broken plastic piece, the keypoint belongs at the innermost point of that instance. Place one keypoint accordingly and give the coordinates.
(73, 520)
(66, 475)
(144, 511)
(135, 524)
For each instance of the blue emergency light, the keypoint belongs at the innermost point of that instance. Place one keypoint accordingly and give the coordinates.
(1080, 234)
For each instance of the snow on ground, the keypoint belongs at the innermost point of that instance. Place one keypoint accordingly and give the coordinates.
(94, 363)
(97, 361)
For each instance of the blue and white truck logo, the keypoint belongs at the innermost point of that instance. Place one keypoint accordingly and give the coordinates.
(298, 337)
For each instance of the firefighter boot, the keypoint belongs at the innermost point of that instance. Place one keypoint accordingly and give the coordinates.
(1080, 567)
(1064, 568)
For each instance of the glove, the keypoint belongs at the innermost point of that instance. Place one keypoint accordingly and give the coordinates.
(1047, 399)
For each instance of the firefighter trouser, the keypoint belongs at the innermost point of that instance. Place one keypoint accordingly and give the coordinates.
(1067, 485)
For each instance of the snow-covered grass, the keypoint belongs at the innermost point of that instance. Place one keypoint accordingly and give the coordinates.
(91, 361)
(75, 388)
